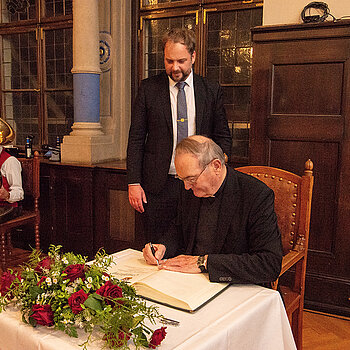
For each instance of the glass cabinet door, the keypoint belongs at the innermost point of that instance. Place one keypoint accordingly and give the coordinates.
(228, 61)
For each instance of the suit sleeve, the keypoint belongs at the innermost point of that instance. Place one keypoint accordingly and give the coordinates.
(262, 263)
(221, 132)
(137, 137)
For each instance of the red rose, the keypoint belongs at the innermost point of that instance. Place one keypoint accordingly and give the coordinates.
(76, 299)
(110, 291)
(112, 340)
(43, 264)
(6, 280)
(74, 271)
(42, 314)
(157, 337)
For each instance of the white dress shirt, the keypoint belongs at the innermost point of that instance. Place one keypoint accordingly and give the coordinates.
(11, 169)
(191, 112)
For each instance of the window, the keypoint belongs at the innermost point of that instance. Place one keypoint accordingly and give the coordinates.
(36, 62)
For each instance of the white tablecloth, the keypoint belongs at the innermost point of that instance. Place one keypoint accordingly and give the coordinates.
(242, 317)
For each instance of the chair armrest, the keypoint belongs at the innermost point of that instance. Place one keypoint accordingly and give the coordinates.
(291, 259)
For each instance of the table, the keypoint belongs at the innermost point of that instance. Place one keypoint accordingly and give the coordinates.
(242, 317)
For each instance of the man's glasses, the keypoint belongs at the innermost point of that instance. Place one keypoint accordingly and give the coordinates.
(192, 179)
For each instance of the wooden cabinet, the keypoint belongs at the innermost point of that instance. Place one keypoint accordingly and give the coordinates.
(300, 109)
(67, 207)
(85, 208)
(117, 225)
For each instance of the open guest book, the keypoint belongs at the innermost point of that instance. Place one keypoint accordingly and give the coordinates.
(183, 291)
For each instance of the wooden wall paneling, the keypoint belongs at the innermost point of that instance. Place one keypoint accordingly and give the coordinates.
(68, 208)
(45, 208)
(300, 108)
(117, 225)
(73, 206)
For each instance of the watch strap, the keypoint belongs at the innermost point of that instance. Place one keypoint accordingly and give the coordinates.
(201, 261)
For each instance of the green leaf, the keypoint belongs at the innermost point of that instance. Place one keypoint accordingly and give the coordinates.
(34, 291)
(136, 320)
(97, 296)
(93, 303)
(32, 321)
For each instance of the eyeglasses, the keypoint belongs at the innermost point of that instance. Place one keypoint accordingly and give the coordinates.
(192, 179)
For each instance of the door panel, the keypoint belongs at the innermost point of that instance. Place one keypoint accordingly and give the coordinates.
(300, 109)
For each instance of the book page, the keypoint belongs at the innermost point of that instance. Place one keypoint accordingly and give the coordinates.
(182, 290)
(193, 289)
(132, 268)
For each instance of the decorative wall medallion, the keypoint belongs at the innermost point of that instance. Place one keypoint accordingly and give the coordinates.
(105, 51)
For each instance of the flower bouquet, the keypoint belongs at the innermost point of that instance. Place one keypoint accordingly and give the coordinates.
(65, 292)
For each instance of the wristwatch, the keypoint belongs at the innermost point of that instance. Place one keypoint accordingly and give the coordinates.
(201, 262)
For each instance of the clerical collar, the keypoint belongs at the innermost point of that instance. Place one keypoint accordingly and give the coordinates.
(218, 193)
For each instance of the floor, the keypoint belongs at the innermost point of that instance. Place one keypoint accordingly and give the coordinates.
(325, 332)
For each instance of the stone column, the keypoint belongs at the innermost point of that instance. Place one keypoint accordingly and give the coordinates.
(86, 142)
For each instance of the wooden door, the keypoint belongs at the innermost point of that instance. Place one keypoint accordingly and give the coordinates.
(300, 109)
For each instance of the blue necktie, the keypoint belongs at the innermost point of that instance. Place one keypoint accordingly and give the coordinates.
(182, 122)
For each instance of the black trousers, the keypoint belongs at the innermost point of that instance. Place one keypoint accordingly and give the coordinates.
(161, 209)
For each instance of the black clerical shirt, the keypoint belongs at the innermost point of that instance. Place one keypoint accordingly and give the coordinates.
(207, 222)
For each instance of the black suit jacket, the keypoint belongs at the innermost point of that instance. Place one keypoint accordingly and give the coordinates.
(150, 142)
(248, 246)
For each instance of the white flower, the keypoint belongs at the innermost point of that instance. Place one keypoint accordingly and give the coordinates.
(89, 279)
(65, 261)
(70, 290)
(105, 278)
(89, 285)
(48, 281)
(54, 280)
(79, 323)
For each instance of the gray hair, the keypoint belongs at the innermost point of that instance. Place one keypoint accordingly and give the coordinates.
(203, 148)
(181, 35)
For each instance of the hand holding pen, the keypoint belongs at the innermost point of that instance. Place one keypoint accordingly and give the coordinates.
(153, 252)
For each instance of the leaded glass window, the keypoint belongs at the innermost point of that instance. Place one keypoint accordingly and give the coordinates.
(36, 63)
(55, 8)
(17, 10)
(146, 3)
(229, 60)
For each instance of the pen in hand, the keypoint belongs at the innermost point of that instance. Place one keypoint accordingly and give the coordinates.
(153, 252)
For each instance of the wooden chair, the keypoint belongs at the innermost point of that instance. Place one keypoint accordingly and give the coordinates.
(293, 196)
(30, 204)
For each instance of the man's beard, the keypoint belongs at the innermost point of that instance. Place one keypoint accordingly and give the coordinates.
(184, 75)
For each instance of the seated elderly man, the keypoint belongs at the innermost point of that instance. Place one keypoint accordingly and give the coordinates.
(11, 190)
(226, 225)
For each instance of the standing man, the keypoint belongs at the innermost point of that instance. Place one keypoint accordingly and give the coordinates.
(169, 107)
